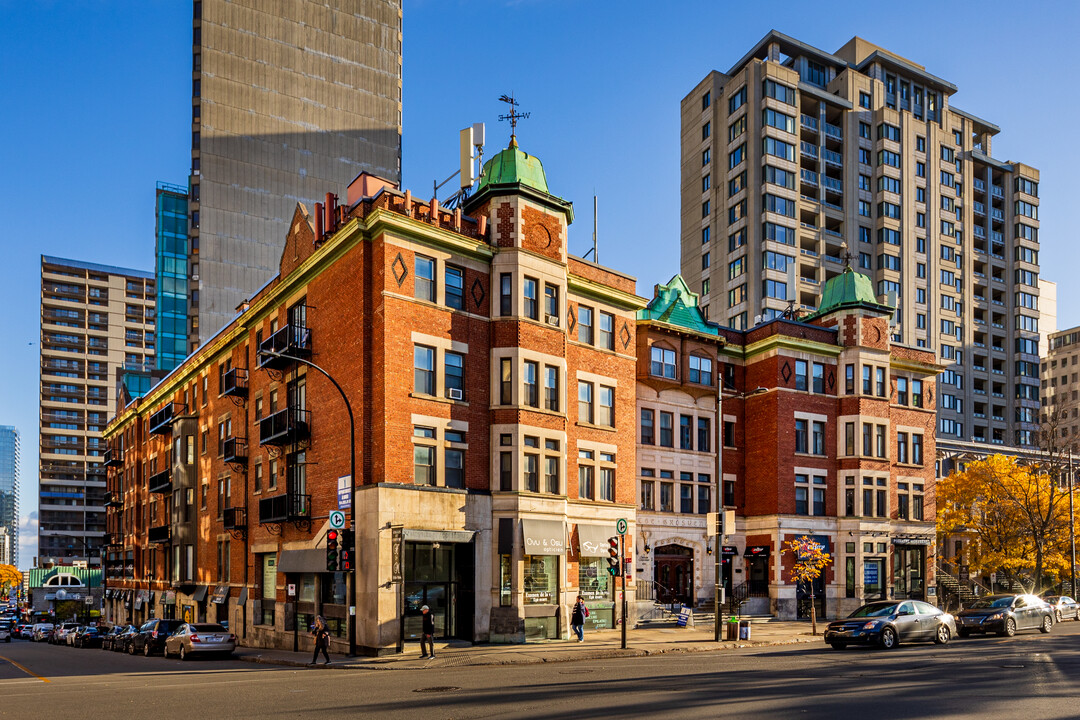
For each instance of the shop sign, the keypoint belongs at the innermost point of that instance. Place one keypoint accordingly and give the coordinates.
(870, 574)
(756, 551)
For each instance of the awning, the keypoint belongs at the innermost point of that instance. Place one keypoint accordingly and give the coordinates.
(544, 537)
(243, 597)
(302, 561)
(108, 594)
(593, 540)
(199, 595)
(756, 551)
(729, 550)
(220, 594)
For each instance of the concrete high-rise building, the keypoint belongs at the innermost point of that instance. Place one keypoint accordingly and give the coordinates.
(171, 270)
(96, 322)
(285, 103)
(798, 160)
(9, 495)
(1048, 314)
(1061, 388)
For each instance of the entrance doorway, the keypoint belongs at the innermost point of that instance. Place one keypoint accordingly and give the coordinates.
(909, 571)
(439, 575)
(673, 573)
(807, 594)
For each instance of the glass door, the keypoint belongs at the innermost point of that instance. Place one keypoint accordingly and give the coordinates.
(873, 579)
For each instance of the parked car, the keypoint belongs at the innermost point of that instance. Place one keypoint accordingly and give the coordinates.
(1065, 608)
(122, 641)
(109, 634)
(5, 634)
(26, 631)
(1005, 614)
(887, 623)
(59, 633)
(69, 637)
(200, 639)
(88, 636)
(41, 631)
(151, 636)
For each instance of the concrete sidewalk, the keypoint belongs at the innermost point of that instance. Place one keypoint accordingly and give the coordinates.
(640, 642)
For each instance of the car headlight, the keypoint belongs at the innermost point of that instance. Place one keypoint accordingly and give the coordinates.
(872, 625)
(996, 616)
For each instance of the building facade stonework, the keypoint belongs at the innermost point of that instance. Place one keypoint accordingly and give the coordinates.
(490, 376)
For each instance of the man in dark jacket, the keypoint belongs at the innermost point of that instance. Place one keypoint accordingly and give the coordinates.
(427, 633)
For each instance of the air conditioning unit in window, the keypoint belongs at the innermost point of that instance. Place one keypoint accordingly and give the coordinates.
(553, 320)
(454, 393)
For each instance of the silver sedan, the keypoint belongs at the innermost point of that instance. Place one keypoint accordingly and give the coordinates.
(198, 639)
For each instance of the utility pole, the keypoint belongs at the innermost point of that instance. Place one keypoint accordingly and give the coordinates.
(1072, 530)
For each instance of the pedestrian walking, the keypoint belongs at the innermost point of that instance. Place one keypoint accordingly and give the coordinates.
(427, 633)
(577, 618)
(322, 639)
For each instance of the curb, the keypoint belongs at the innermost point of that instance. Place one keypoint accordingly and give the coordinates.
(523, 659)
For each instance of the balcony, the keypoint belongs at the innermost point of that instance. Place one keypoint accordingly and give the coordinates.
(809, 177)
(997, 191)
(284, 508)
(235, 518)
(832, 184)
(114, 500)
(292, 340)
(997, 214)
(808, 122)
(808, 149)
(235, 383)
(114, 457)
(834, 131)
(159, 534)
(284, 427)
(160, 482)
(234, 450)
(161, 421)
(832, 157)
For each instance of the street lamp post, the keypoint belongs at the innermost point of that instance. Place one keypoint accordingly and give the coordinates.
(352, 489)
(718, 548)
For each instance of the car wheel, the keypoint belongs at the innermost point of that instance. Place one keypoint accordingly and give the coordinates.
(146, 650)
(838, 645)
(1047, 624)
(888, 638)
(131, 649)
(1057, 615)
(1010, 628)
(942, 636)
(183, 653)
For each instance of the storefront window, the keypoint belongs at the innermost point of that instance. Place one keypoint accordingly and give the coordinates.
(594, 580)
(541, 579)
(307, 587)
(506, 596)
(333, 589)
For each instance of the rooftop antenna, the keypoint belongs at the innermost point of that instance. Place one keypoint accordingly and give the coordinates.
(513, 116)
(592, 250)
(471, 146)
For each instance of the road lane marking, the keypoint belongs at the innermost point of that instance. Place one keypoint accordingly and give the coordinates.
(32, 674)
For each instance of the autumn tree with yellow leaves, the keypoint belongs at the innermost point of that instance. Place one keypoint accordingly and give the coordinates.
(1017, 515)
(810, 561)
(9, 577)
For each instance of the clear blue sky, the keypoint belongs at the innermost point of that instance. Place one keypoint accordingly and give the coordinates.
(97, 104)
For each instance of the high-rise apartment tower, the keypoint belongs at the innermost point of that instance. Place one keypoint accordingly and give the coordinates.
(171, 269)
(9, 495)
(287, 101)
(797, 161)
(96, 321)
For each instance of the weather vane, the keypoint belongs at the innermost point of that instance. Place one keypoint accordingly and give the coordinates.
(513, 116)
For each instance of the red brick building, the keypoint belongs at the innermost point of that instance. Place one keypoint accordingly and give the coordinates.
(490, 376)
(827, 429)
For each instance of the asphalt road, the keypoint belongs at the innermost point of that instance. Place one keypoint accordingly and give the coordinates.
(1030, 676)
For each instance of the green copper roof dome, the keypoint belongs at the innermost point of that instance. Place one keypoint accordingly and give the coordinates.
(512, 166)
(674, 304)
(849, 289)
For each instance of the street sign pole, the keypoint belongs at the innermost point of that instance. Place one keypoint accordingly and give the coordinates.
(621, 527)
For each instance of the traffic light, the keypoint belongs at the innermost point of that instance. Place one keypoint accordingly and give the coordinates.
(614, 560)
(332, 551)
(348, 547)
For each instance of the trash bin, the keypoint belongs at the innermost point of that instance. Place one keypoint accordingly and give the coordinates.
(732, 629)
(744, 629)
